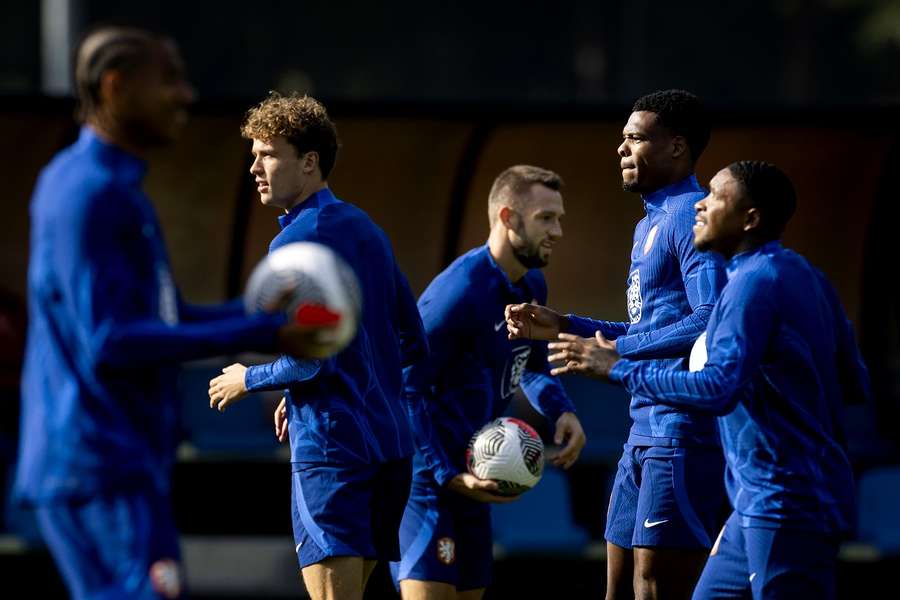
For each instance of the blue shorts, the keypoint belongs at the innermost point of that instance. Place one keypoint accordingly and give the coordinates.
(445, 537)
(667, 497)
(341, 510)
(116, 545)
(769, 563)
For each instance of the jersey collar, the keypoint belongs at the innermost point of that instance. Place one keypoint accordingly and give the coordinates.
(738, 260)
(323, 195)
(657, 200)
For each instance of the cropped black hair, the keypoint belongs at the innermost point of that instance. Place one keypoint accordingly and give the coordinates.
(682, 113)
(770, 191)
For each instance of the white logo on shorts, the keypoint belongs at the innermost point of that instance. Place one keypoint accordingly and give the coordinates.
(648, 523)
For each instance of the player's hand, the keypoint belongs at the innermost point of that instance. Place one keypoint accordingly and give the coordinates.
(281, 427)
(570, 433)
(532, 321)
(481, 490)
(593, 357)
(227, 388)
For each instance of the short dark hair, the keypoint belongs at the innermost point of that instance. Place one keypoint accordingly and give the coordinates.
(770, 191)
(682, 113)
(301, 120)
(512, 184)
(103, 49)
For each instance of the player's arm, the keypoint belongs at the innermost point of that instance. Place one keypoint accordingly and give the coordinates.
(587, 327)
(198, 313)
(413, 340)
(546, 394)
(741, 337)
(444, 329)
(537, 322)
(856, 385)
(95, 282)
(703, 278)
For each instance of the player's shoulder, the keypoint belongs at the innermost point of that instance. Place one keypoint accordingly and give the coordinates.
(460, 283)
(73, 184)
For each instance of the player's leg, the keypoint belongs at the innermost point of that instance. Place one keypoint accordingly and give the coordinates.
(789, 563)
(681, 494)
(335, 578)
(620, 524)
(726, 575)
(368, 566)
(117, 545)
(413, 589)
(666, 572)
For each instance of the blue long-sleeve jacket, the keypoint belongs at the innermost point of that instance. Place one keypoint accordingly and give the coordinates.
(106, 329)
(349, 408)
(473, 368)
(782, 360)
(671, 291)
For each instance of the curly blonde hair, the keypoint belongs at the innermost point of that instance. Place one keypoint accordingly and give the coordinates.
(301, 120)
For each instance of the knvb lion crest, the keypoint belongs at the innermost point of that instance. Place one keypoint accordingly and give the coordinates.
(515, 368)
(446, 550)
(634, 296)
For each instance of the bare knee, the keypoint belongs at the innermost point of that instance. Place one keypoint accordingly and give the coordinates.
(336, 578)
(414, 589)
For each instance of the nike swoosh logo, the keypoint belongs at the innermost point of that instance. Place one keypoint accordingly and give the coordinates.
(648, 523)
(499, 325)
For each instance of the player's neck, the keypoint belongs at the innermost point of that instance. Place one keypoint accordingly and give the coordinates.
(503, 255)
(315, 188)
(113, 135)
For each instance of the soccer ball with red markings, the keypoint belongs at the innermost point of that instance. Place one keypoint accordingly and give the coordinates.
(315, 286)
(509, 451)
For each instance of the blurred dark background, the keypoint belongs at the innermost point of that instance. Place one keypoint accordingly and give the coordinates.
(432, 100)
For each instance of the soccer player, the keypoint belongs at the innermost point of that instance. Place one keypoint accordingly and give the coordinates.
(667, 493)
(781, 362)
(351, 441)
(469, 379)
(107, 328)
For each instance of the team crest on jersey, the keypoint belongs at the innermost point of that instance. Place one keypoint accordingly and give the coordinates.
(651, 237)
(634, 296)
(165, 577)
(446, 550)
(512, 374)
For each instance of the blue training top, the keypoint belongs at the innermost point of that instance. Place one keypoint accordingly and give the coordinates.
(782, 360)
(474, 369)
(670, 291)
(348, 409)
(106, 329)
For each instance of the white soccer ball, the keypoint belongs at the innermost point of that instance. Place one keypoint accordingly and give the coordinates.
(315, 286)
(697, 359)
(508, 451)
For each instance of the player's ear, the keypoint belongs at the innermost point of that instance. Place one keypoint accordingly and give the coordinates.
(679, 146)
(111, 82)
(751, 219)
(508, 217)
(310, 162)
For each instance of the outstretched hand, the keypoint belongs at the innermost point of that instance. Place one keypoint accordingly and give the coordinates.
(532, 321)
(227, 388)
(593, 357)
